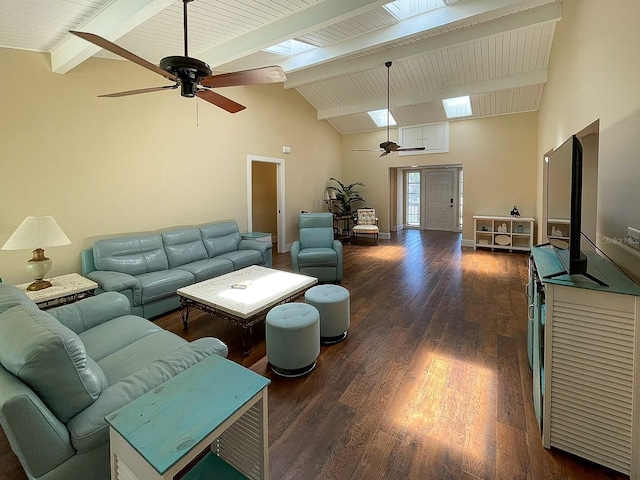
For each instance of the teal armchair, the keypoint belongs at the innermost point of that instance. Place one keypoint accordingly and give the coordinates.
(317, 253)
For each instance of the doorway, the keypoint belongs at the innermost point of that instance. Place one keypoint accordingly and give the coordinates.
(431, 198)
(265, 198)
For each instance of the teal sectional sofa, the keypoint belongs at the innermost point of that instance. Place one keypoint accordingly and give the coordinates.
(148, 269)
(63, 370)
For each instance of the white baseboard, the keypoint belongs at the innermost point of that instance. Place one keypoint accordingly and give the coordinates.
(467, 243)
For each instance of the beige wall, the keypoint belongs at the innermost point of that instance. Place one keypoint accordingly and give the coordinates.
(105, 167)
(593, 74)
(115, 166)
(497, 154)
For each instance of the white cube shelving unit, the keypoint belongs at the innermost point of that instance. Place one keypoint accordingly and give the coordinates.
(503, 233)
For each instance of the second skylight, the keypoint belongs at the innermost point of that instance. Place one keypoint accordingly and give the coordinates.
(457, 107)
(379, 117)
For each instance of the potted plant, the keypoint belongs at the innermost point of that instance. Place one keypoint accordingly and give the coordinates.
(345, 197)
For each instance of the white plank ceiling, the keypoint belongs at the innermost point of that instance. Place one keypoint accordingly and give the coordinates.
(496, 51)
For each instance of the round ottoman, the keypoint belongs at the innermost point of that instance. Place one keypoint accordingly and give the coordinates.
(292, 335)
(332, 301)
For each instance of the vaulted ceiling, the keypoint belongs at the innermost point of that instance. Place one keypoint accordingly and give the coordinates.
(496, 51)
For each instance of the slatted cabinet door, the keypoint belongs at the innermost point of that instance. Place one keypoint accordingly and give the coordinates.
(590, 377)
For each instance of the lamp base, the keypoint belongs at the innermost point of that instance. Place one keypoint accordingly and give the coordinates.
(38, 267)
(39, 285)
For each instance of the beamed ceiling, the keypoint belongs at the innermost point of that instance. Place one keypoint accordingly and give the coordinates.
(496, 51)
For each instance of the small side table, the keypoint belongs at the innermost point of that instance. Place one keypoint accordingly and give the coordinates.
(342, 228)
(216, 406)
(261, 236)
(65, 289)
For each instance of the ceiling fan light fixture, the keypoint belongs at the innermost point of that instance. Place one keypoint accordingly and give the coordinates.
(188, 70)
(194, 77)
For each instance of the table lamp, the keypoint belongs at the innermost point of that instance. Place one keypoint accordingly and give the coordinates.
(330, 198)
(37, 232)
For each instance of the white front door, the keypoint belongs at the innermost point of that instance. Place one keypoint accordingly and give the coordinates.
(440, 201)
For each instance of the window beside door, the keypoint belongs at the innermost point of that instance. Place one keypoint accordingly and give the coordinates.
(413, 199)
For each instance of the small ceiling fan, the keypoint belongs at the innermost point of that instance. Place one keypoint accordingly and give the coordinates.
(389, 146)
(193, 76)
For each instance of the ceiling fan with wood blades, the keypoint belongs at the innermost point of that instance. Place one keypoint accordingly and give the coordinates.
(389, 146)
(193, 76)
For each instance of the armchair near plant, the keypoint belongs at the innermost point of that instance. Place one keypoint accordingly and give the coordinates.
(317, 254)
(366, 224)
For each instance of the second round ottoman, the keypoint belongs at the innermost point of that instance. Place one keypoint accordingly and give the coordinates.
(292, 337)
(332, 301)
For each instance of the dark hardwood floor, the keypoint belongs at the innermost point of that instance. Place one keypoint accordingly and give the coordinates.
(433, 381)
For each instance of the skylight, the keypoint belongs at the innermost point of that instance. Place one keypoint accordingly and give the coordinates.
(402, 9)
(457, 107)
(379, 117)
(289, 48)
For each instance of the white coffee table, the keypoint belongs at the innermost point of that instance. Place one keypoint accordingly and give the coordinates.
(244, 307)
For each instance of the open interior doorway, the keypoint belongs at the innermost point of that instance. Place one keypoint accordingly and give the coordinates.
(265, 198)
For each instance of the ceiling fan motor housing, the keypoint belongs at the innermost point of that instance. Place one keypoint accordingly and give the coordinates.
(189, 72)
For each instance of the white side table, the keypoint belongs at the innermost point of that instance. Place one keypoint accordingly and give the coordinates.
(65, 289)
(260, 236)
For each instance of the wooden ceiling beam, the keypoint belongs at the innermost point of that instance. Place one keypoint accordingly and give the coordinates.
(536, 77)
(112, 22)
(300, 23)
(315, 59)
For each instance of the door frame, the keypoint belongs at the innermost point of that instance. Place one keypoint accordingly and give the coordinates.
(280, 193)
(401, 197)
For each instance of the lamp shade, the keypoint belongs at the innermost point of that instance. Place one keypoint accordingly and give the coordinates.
(37, 232)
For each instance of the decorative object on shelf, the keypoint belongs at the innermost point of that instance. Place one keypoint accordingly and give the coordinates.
(37, 232)
(342, 198)
(484, 228)
(556, 232)
(515, 212)
(503, 240)
(502, 228)
(520, 229)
